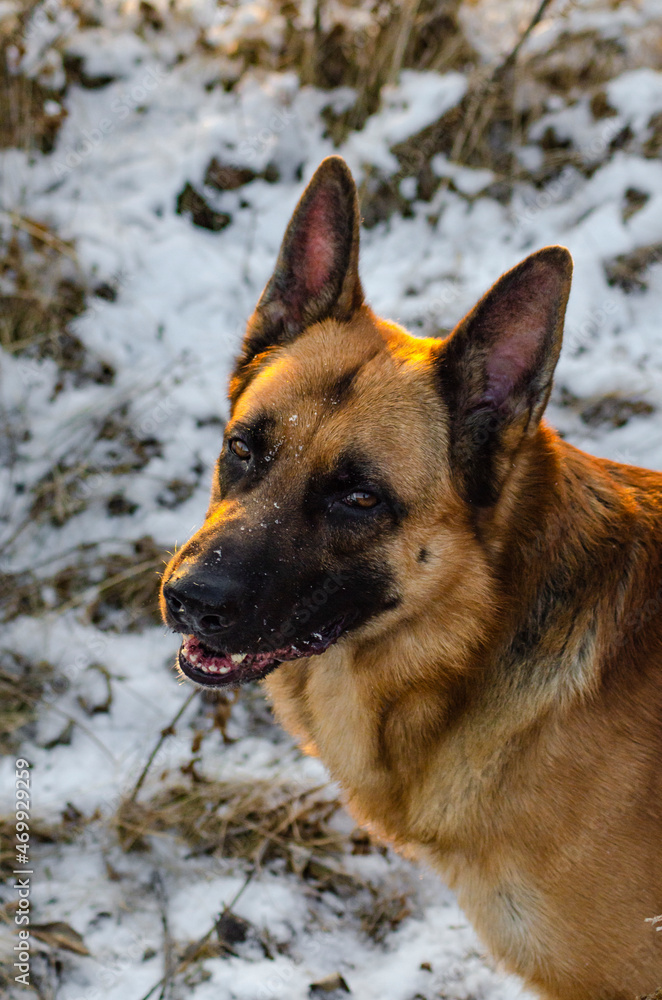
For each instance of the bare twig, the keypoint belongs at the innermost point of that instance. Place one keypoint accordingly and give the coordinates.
(165, 733)
(10, 686)
(535, 20)
(168, 956)
(194, 949)
(313, 48)
(408, 12)
(39, 233)
(79, 548)
(98, 588)
(486, 94)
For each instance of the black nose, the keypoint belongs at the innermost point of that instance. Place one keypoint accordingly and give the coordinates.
(197, 604)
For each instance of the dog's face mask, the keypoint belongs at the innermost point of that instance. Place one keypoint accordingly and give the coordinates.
(356, 456)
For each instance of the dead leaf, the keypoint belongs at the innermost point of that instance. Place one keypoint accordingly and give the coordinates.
(60, 935)
(329, 984)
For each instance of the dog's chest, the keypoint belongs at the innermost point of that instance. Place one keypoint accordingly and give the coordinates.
(507, 910)
(330, 716)
(429, 812)
(392, 780)
(345, 732)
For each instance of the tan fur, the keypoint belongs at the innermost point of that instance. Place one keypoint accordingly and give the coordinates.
(537, 796)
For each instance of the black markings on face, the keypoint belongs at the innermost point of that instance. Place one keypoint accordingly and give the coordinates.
(260, 432)
(341, 390)
(327, 490)
(319, 561)
(258, 435)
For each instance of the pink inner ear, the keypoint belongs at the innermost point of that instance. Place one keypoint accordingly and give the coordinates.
(519, 321)
(510, 359)
(318, 248)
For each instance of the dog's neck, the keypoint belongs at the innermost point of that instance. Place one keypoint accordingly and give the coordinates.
(570, 541)
(551, 569)
(476, 680)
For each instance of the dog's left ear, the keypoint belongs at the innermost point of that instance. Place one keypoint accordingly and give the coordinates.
(316, 274)
(495, 370)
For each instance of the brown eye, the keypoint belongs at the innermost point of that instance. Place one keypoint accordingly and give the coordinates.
(240, 448)
(360, 498)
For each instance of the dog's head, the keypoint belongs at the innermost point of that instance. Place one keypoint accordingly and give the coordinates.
(357, 457)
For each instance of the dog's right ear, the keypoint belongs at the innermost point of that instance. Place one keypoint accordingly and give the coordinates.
(316, 274)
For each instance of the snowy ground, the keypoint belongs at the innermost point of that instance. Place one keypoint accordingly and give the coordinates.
(181, 294)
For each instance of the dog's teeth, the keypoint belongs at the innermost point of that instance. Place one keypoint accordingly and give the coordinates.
(223, 670)
(237, 657)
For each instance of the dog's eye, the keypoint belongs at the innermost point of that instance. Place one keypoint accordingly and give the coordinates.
(240, 448)
(362, 499)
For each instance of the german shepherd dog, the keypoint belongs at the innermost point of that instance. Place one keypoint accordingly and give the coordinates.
(457, 610)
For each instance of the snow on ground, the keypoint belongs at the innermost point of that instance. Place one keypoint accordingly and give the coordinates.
(182, 294)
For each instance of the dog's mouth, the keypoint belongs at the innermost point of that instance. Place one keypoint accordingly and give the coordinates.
(212, 668)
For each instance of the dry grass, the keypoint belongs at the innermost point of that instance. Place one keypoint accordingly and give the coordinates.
(615, 411)
(628, 270)
(422, 34)
(384, 913)
(362, 44)
(41, 292)
(22, 684)
(256, 821)
(69, 485)
(127, 600)
(24, 123)
(41, 288)
(119, 591)
(365, 45)
(501, 104)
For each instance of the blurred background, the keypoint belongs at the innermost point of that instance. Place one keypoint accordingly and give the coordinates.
(150, 156)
